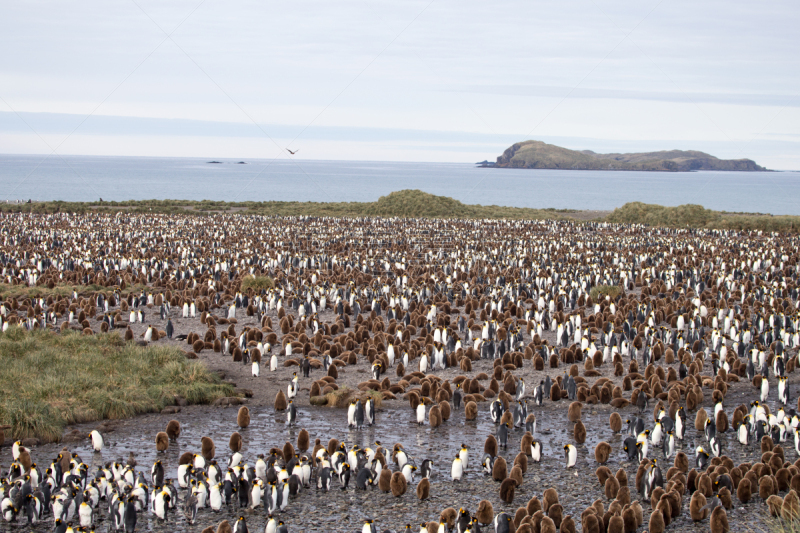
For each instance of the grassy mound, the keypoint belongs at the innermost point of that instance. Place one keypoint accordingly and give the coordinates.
(49, 380)
(258, 283)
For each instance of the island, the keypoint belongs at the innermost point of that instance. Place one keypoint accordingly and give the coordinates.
(537, 154)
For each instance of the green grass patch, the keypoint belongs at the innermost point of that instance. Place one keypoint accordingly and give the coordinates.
(258, 283)
(49, 380)
(601, 291)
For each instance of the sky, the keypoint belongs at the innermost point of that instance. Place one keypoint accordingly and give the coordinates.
(441, 80)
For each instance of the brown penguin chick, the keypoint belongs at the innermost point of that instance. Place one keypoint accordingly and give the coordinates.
(224, 527)
(602, 452)
(423, 489)
(25, 459)
(243, 417)
(725, 498)
(485, 512)
(448, 516)
(602, 473)
(235, 442)
(207, 448)
(533, 505)
(590, 523)
(519, 516)
(507, 418)
(555, 392)
(567, 525)
(318, 446)
(209, 529)
(555, 512)
(521, 460)
(691, 480)
(704, 485)
(507, 490)
(524, 528)
(499, 470)
(615, 421)
(637, 510)
(656, 524)
(162, 441)
(616, 525)
(471, 411)
(186, 458)
(490, 446)
(173, 430)
(549, 497)
(719, 521)
(744, 490)
(622, 477)
(516, 475)
(574, 412)
(791, 506)
(775, 505)
(525, 443)
(288, 451)
(681, 462)
(696, 507)
(700, 419)
(629, 520)
(302, 440)
(547, 525)
(435, 417)
(280, 400)
(579, 432)
(333, 445)
(624, 495)
(398, 484)
(766, 487)
(611, 488)
(384, 480)
(444, 406)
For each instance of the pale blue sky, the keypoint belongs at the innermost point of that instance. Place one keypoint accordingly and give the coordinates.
(408, 81)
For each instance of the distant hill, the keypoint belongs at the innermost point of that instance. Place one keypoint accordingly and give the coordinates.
(536, 154)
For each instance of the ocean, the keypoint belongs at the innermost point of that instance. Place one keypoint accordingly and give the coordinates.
(88, 178)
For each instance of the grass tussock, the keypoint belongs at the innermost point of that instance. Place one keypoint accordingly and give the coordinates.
(696, 216)
(48, 381)
(258, 283)
(601, 291)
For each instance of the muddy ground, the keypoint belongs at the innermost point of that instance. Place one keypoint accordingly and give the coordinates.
(395, 422)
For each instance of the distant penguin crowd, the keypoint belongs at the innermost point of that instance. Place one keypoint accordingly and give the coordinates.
(652, 326)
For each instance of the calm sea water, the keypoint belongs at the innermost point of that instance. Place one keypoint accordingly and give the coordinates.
(87, 178)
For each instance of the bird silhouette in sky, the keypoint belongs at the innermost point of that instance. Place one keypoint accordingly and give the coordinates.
(292, 152)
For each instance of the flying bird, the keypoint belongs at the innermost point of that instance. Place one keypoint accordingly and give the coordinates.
(292, 152)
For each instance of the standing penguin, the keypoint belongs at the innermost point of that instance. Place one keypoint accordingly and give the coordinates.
(97, 440)
(240, 526)
(421, 411)
(426, 469)
(359, 415)
(369, 411)
(130, 515)
(291, 414)
(457, 397)
(457, 470)
(571, 455)
(502, 435)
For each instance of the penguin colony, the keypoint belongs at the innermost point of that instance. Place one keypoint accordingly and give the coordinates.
(444, 306)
